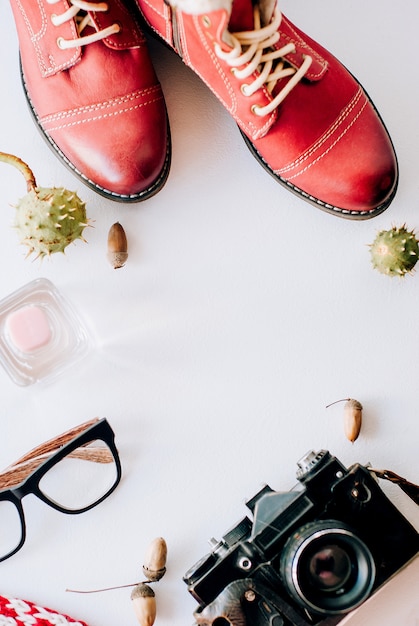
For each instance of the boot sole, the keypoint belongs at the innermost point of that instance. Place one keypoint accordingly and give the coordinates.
(110, 195)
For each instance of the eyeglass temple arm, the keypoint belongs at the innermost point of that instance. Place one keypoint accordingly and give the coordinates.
(57, 442)
(18, 471)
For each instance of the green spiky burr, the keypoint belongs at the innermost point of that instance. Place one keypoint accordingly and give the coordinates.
(48, 219)
(395, 252)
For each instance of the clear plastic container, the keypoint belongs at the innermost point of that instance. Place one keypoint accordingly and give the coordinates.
(40, 333)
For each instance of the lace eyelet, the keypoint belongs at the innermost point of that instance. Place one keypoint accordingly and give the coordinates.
(254, 109)
(206, 21)
(243, 89)
(60, 42)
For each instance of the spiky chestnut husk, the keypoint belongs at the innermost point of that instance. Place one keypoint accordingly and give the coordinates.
(395, 252)
(48, 219)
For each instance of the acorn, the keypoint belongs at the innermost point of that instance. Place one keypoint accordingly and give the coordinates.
(144, 603)
(352, 417)
(117, 246)
(154, 566)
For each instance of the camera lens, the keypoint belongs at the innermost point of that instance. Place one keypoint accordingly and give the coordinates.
(330, 568)
(327, 568)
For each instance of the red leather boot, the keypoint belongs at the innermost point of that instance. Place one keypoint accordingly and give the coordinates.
(94, 94)
(302, 114)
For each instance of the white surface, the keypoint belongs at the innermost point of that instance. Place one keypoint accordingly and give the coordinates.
(242, 311)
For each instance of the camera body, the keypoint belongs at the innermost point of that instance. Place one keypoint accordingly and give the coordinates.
(309, 556)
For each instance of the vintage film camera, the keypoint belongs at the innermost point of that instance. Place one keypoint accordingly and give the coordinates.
(309, 556)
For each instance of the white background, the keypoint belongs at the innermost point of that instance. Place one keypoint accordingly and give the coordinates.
(241, 313)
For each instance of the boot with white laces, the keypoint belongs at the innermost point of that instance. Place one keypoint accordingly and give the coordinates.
(94, 94)
(305, 118)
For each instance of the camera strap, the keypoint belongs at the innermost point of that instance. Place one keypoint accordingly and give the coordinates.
(411, 489)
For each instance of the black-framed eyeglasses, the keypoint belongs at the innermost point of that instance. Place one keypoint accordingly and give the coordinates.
(72, 473)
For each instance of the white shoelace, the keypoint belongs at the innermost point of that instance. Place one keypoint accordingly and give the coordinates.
(83, 20)
(254, 50)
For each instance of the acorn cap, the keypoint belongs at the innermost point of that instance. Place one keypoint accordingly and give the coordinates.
(153, 575)
(142, 591)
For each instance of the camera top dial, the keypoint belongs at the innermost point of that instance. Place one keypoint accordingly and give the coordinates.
(310, 461)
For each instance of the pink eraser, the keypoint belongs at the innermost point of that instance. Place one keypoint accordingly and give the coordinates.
(28, 328)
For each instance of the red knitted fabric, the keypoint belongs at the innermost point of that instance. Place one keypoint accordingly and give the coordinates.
(18, 612)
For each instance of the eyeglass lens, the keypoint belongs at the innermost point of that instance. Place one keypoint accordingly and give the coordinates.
(81, 478)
